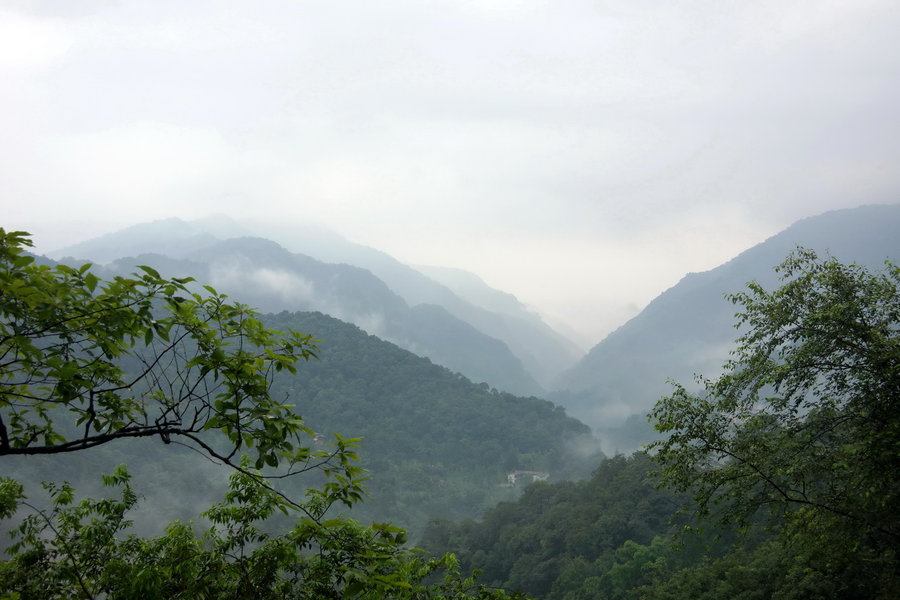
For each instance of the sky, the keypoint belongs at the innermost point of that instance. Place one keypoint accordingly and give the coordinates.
(582, 155)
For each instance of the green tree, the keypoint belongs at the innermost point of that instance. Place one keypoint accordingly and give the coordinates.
(84, 362)
(805, 422)
(81, 550)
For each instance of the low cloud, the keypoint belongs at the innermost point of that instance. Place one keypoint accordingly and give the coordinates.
(621, 142)
(276, 289)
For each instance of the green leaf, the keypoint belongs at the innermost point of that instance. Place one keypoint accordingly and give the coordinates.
(90, 281)
(149, 271)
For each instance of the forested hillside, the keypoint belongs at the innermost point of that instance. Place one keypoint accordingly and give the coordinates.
(604, 537)
(145, 364)
(617, 536)
(689, 329)
(434, 443)
(558, 535)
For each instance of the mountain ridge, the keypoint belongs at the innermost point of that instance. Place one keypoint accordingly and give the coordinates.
(689, 328)
(543, 351)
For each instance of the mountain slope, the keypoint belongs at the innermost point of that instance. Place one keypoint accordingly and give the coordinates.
(689, 328)
(172, 237)
(262, 274)
(543, 351)
(435, 443)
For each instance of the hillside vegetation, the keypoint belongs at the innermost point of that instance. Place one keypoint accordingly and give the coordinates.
(689, 329)
(433, 443)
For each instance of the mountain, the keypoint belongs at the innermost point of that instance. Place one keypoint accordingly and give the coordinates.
(435, 443)
(172, 237)
(559, 539)
(538, 352)
(544, 352)
(264, 275)
(689, 328)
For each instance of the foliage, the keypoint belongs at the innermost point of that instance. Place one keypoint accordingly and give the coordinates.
(77, 549)
(376, 390)
(435, 443)
(558, 540)
(805, 422)
(84, 362)
(432, 442)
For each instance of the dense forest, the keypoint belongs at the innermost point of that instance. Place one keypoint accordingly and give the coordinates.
(89, 364)
(619, 536)
(433, 442)
(611, 536)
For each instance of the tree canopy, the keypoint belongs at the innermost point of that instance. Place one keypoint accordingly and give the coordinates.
(84, 362)
(805, 421)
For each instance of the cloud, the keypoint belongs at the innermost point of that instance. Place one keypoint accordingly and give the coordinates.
(371, 323)
(145, 164)
(582, 154)
(28, 43)
(238, 273)
(288, 286)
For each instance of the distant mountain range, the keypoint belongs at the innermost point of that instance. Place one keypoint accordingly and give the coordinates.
(456, 320)
(483, 333)
(690, 328)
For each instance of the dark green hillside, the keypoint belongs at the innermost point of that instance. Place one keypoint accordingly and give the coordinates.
(562, 540)
(618, 537)
(436, 444)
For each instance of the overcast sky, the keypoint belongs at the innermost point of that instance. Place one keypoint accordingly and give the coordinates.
(583, 155)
